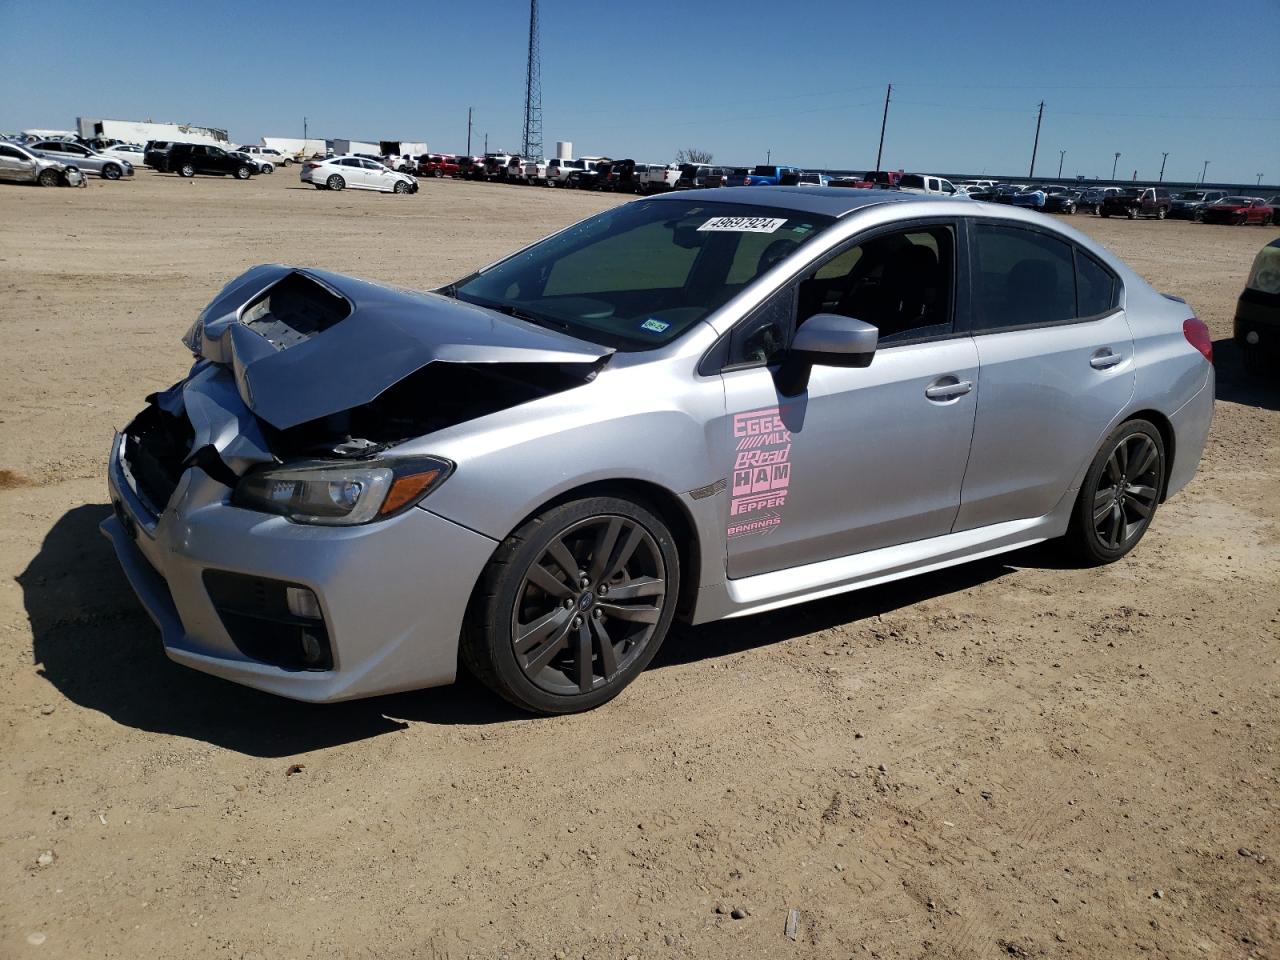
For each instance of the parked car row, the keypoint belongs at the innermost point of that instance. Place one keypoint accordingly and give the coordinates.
(72, 154)
(20, 164)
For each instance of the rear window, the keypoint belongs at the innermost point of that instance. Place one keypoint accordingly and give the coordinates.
(911, 180)
(765, 171)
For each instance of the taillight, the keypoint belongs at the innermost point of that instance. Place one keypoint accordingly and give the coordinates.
(1197, 335)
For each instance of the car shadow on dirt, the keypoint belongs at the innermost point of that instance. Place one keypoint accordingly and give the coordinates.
(95, 644)
(1237, 385)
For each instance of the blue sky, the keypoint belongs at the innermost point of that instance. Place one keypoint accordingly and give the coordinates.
(739, 78)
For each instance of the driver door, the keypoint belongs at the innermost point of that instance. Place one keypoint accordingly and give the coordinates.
(866, 457)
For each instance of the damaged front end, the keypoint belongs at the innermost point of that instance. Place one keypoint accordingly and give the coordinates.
(299, 372)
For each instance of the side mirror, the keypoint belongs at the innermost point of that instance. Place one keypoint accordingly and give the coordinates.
(827, 339)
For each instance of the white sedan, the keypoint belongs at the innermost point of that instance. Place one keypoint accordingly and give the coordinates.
(130, 152)
(338, 173)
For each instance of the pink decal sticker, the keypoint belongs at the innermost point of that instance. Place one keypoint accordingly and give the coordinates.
(761, 472)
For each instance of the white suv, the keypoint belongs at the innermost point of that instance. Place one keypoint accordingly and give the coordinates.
(266, 154)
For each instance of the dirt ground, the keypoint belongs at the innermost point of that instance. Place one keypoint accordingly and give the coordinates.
(1012, 758)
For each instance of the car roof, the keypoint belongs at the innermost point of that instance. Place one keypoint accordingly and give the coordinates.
(830, 201)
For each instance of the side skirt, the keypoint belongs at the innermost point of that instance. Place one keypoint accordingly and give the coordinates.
(782, 588)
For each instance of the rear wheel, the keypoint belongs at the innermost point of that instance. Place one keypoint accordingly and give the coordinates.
(187, 170)
(1120, 494)
(111, 172)
(336, 182)
(49, 178)
(1266, 219)
(1102, 212)
(573, 605)
(1198, 216)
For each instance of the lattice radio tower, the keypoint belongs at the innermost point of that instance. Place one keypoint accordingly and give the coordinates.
(532, 146)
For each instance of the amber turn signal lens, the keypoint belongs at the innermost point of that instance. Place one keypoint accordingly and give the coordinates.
(407, 489)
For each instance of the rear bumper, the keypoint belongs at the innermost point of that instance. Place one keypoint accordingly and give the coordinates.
(393, 594)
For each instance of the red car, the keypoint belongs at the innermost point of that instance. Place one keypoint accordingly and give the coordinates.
(438, 165)
(1239, 210)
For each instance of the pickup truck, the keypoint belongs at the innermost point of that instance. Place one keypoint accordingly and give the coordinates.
(765, 175)
(558, 170)
(925, 183)
(1191, 205)
(657, 177)
(1135, 202)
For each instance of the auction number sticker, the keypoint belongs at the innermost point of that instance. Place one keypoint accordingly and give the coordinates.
(743, 224)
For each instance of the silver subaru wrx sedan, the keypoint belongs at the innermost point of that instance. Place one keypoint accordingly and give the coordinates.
(699, 405)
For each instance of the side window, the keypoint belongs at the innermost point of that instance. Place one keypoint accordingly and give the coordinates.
(11, 153)
(763, 336)
(1020, 278)
(1096, 288)
(901, 283)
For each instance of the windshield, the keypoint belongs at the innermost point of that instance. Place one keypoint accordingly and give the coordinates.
(1192, 195)
(641, 274)
(1130, 192)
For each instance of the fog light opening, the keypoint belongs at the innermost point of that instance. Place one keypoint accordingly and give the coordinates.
(1251, 338)
(312, 649)
(302, 603)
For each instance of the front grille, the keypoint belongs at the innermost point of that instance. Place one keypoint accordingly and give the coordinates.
(156, 445)
(255, 614)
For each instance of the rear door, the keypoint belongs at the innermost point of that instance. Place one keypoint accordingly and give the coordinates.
(15, 165)
(1056, 359)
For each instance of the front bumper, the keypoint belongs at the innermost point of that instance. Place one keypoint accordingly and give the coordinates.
(393, 593)
(1257, 323)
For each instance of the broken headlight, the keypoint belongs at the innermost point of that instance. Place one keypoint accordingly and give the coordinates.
(341, 494)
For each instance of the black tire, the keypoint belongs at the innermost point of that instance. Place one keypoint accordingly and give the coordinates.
(243, 173)
(400, 187)
(571, 661)
(268, 168)
(1103, 213)
(335, 182)
(1198, 216)
(111, 172)
(286, 162)
(1133, 213)
(1120, 494)
(187, 170)
(49, 178)
(437, 173)
(320, 186)
(1266, 220)
(1071, 209)
(1160, 213)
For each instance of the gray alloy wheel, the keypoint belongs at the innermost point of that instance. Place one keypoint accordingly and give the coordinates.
(1120, 493)
(1071, 208)
(111, 172)
(573, 605)
(243, 173)
(336, 182)
(187, 170)
(401, 187)
(49, 178)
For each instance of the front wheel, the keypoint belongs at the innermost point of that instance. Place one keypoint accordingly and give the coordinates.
(1103, 213)
(111, 172)
(1120, 494)
(573, 605)
(1160, 213)
(336, 182)
(1133, 213)
(243, 173)
(1198, 216)
(401, 187)
(49, 178)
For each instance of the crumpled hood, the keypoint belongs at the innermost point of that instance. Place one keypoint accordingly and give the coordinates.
(388, 334)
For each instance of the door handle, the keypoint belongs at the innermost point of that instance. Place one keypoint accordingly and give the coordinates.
(1105, 358)
(948, 388)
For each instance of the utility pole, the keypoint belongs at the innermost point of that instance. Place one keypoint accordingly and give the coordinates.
(1162, 163)
(1036, 146)
(304, 133)
(1114, 164)
(469, 109)
(1204, 172)
(1259, 179)
(1062, 155)
(486, 143)
(768, 157)
(883, 120)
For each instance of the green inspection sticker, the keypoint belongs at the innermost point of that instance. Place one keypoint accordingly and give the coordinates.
(654, 326)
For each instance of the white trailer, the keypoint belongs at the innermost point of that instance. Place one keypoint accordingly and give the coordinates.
(140, 131)
(296, 147)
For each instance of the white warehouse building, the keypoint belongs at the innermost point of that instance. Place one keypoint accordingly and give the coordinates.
(140, 131)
